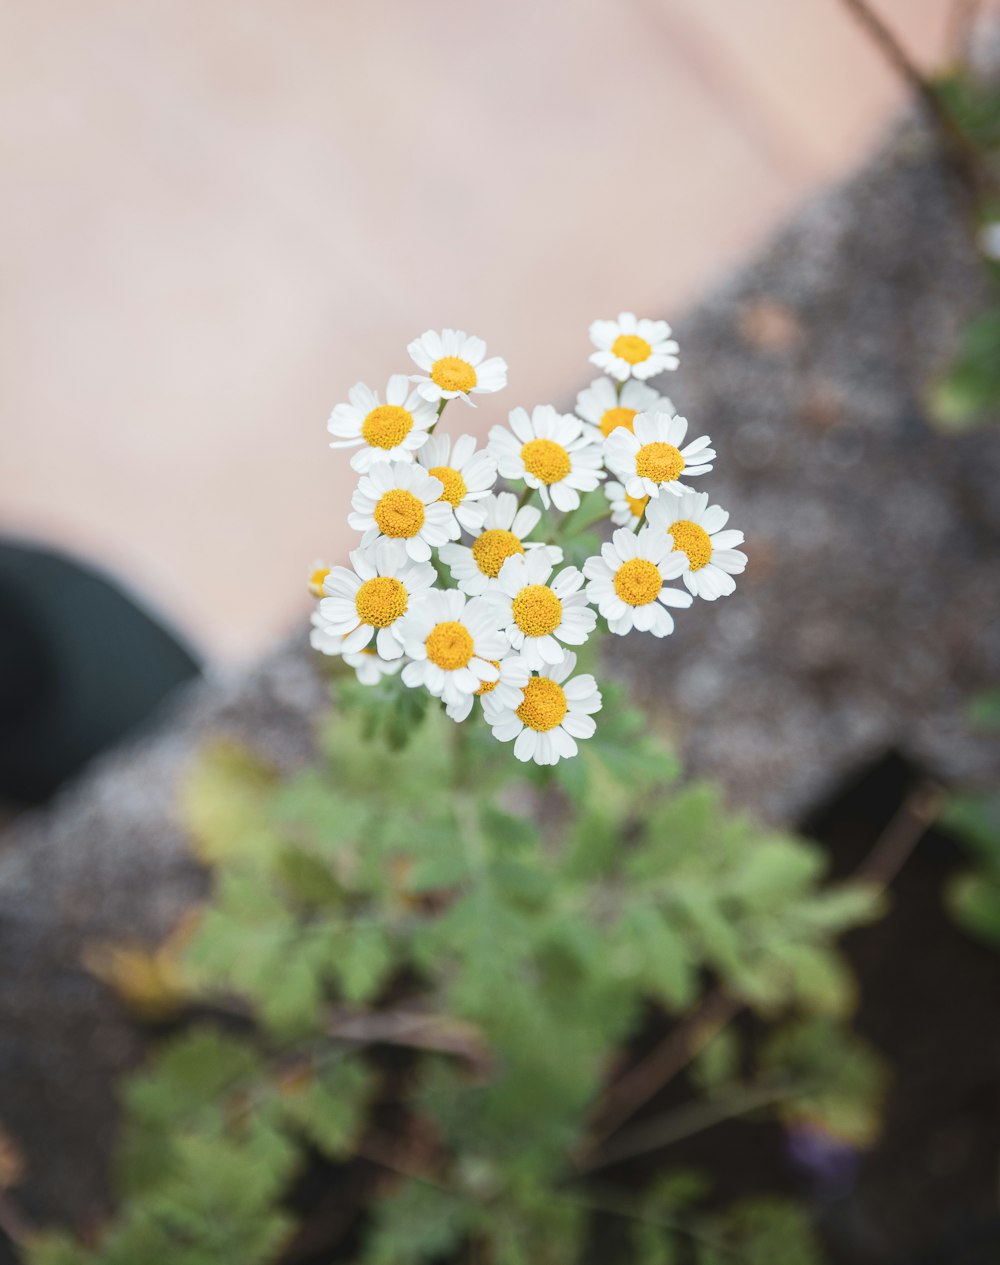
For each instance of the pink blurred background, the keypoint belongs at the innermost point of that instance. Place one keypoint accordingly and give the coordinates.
(219, 216)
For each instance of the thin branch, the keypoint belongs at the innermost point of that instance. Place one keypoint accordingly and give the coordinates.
(963, 155)
(894, 846)
(624, 1098)
(421, 1030)
(614, 1203)
(685, 1122)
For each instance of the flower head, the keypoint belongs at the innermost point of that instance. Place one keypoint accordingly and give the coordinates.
(392, 431)
(607, 407)
(627, 582)
(368, 666)
(454, 364)
(400, 502)
(695, 531)
(649, 459)
(467, 476)
(553, 452)
(551, 714)
(317, 574)
(504, 691)
(538, 616)
(454, 644)
(369, 599)
(626, 511)
(632, 348)
(504, 528)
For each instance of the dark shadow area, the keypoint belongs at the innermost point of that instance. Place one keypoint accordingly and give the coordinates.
(81, 666)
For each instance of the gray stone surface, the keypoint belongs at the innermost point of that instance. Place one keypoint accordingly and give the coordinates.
(869, 614)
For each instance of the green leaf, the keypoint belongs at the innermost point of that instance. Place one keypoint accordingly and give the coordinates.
(974, 902)
(843, 1081)
(418, 1223)
(329, 1108)
(223, 804)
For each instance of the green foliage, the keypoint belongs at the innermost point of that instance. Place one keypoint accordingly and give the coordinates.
(969, 393)
(509, 929)
(842, 1083)
(973, 817)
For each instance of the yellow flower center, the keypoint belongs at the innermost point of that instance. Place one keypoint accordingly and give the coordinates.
(454, 485)
(546, 460)
(492, 548)
(452, 374)
(544, 704)
(637, 504)
(487, 686)
(450, 645)
(632, 348)
(316, 579)
(616, 417)
(537, 610)
(399, 513)
(386, 426)
(659, 462)
(693, 540)
(638, 582)
(381, 601)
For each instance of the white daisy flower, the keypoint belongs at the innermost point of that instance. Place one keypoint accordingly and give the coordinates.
(504, 528)
(553, 452)
(401, 502)
(631, 348)
(369, 599)
(392, 431)
(537, 616)
(649, 459)
(695, 530)
(553, 712)
(626, 511)
(368, 667)
(607, 407)
(505, 691)
(467, 475)
(626, 581)
(454, 363)
(317, 574)
(454, 643)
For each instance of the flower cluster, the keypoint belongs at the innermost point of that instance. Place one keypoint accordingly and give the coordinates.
(453, 587)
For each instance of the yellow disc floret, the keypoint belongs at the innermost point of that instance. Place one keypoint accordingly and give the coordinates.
(455, 487)
(450, 645)
(632, 348)
(659, 462)
(638, 582)
(637, 504)
(537, 610)
(381, 601)
(399, 514)
(693, 540)
(386, 426)
(546, 460)
(452, 374)
(616, 417)
(492, 548)
(544, 704)
(487, 686)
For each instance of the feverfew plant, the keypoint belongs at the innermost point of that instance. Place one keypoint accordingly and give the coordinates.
(444, 583)
(433, 999)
